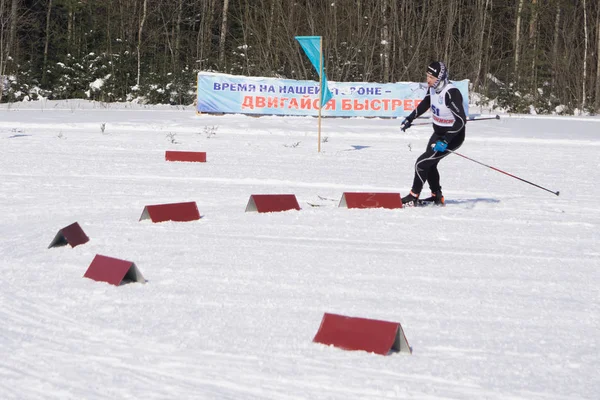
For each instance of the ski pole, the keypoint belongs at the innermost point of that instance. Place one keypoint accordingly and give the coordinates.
(468, 120)
(505, 173)
(484, 118)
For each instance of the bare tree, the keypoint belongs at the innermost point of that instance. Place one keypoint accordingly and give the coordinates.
(3, 44)
(204, 37)
(139, 41)
(554, 54)
(501, 46)
(451, 17)
(482, 8)
(585, 52)
(14, 12)
(598, 58)
(178, 31)
(8, 38)
(47, 41)
(223, 34)
(270, 23)
(385, 41)
(533, 40)
(518, 38)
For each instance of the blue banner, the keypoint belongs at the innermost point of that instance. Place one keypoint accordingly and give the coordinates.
(312, 48)
(222, 93)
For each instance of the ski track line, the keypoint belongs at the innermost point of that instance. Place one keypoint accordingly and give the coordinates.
(39, 363)
(387, 247)
(145, 381)
(124, 127)
(238, 181)
(180, 377)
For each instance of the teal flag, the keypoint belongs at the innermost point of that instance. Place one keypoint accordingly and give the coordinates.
(312, 47)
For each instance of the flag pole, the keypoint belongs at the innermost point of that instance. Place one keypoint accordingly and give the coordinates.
(320, 90)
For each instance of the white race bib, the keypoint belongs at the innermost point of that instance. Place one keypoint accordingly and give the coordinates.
(442, 116)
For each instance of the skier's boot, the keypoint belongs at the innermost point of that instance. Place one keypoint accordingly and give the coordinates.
(436, 198)
(411, 200)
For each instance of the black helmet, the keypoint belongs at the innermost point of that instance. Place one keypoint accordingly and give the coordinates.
(438, 69)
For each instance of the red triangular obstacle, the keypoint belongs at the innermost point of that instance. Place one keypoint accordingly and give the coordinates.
(188, 156)
(371, 200)
(272, 203)
(72, 235)
(349, 333)
(179, 212)
(113, 271)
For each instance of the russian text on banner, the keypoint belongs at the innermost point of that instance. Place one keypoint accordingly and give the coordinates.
(222, 93)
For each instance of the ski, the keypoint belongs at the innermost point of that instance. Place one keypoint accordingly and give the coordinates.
(326, 198)
(428, 203)
(423, 203)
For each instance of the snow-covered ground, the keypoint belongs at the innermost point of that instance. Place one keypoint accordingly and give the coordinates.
(497, 292)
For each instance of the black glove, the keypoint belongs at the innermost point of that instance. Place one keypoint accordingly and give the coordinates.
(407, 123)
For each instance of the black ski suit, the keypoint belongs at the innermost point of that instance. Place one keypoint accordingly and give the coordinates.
(454, 135)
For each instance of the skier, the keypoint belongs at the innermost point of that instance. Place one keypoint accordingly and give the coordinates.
(449, 121)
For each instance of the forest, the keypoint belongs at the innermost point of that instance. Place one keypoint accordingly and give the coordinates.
(522, 55)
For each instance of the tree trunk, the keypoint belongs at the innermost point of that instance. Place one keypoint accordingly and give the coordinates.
(533, 40)
(394, 17)
(168, 46)
(246, 39)
(555, 48)
(14, 17)
(203, 40)
(46, 42)
(3, 47)
(518, 39)
(385, 41)
(598, 58)
(70, 18)
(122, 25)
(178, 36)
(451, 19)
(488, 46)
(482, 14)
(223, 36)
(359, 18)
(139, 42)
(585, 51)
(109, 34)
(270, 24)
(332, 47)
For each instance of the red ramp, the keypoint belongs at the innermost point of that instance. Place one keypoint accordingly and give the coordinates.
(180, 212)
(113, 271)
(349, 333)
(371, 200)
(72, 235)
(272, 203)
(186, 156)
